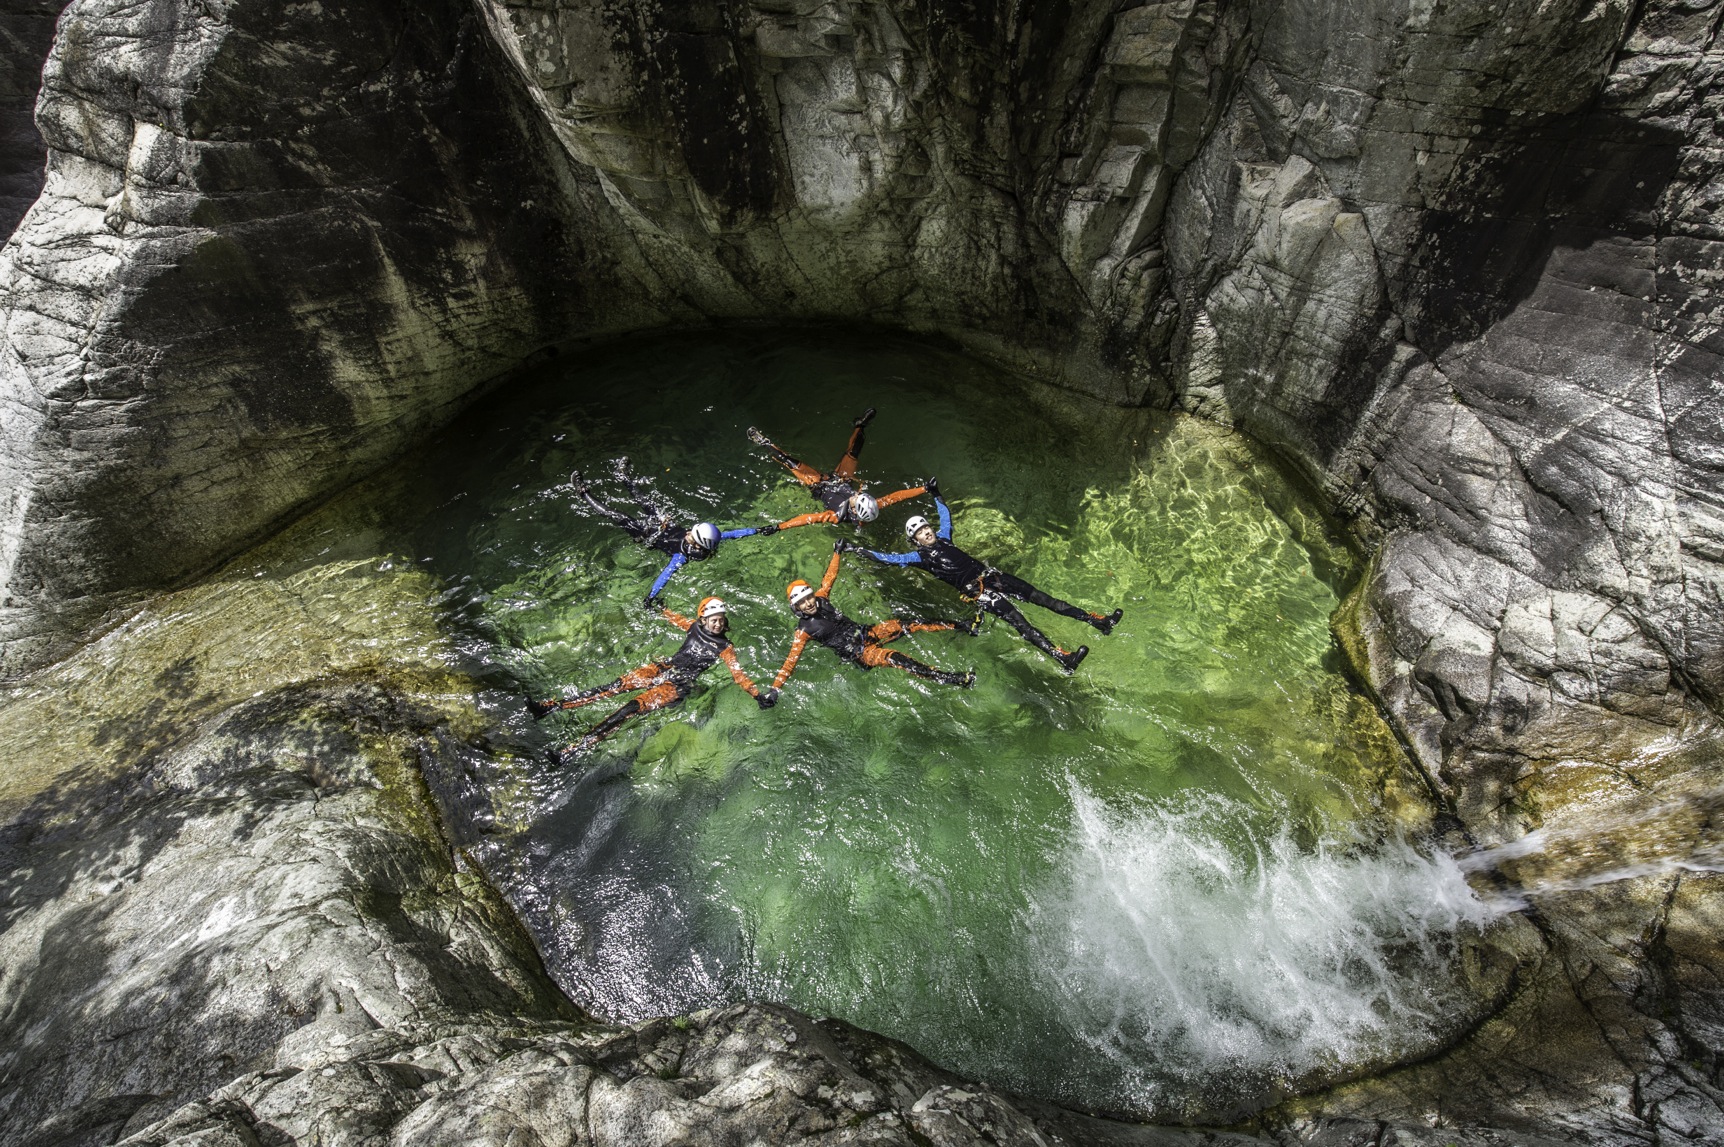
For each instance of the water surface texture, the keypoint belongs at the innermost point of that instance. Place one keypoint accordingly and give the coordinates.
(1168, 884)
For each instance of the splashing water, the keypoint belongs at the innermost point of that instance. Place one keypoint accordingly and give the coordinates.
(1147, 888)
(1196, 944)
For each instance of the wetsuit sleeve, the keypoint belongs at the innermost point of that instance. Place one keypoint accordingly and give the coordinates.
(913, 558)
(945, 518)
(797, 644)
(899, 496)
(732, 535)
(809, 520)
(677, 620)
(677, 561)
(736, 672)
(825, 589)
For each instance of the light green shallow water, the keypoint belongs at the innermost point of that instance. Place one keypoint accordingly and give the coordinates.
(1150, 887)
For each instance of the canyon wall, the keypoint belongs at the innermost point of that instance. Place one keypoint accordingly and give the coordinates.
(1458, 262)
(1454, 261)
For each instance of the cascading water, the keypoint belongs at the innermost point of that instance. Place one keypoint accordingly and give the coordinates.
(1202, 951)
(1176, 884)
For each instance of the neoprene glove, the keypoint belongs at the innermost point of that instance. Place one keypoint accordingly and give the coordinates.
(767, 697)
(767, 531)
(846, 546)
(932, 485)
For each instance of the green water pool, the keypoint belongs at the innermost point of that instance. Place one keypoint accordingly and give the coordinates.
(1169, 882)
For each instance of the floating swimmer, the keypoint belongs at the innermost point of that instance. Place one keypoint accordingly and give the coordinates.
(991, 589)
(864, 646)
(837, 491)
(656, 530)
(665, 683)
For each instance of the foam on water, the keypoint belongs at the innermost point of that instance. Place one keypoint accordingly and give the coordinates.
(1196, 940)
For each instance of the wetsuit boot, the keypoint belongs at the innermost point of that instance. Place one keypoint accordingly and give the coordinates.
(1106, 624)
(1070, 661)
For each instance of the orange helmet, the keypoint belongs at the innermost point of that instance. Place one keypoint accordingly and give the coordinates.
(797, 590)
(711, 607)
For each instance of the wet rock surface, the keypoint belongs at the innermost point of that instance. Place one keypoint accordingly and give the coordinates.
(1457, 262)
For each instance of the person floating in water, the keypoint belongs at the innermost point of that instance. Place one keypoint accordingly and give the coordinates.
(663, 683)
(992, 589)
(838, 492)
(656, 530)
(863, 646)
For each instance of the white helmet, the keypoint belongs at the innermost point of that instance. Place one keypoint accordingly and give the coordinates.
(712, 607)
(704, 535)
(864, 507)
(915, 525)
(798, 591)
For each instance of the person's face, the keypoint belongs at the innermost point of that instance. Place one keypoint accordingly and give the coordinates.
(694, 549)
(925, 536)
(716, 624)
(807, 605)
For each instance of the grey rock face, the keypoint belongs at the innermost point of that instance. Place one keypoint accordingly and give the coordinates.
(274, 247)
(1455, 263)
(272, 888)
(26, 31)
(1463, 247)
(748, 1074)
(1458, 262)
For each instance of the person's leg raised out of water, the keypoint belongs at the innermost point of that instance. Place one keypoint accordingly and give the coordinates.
(838, 492)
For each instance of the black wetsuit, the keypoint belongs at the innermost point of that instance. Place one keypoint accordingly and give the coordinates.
(992, 589)
(658, 532)
(833, 630)
(863, 645)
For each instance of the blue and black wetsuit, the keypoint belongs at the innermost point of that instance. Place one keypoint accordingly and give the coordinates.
(993, 590)
(656, 531)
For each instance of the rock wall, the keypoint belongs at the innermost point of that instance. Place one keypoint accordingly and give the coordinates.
(1458, 262)
(26, 32)
(1454, 262)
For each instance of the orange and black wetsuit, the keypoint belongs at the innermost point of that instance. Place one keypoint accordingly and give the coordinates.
(864, 645)
(663, 683)
(833, 490)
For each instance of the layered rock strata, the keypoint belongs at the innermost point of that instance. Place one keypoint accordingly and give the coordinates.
(1455, 263)
(1458, 262)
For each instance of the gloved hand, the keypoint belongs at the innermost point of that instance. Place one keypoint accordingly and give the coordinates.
(932, 485)
(756, 437)
(767, 531)
(846, 546)
(767, 697)
(650, 601)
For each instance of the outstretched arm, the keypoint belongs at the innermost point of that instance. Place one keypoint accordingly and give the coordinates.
(825, 589)
(824, 516)
(913, 558)
(900, 495)
(732, 535)
(797, 644)
(766, 698)
(677, 561)
(945, 530)
(677, 620)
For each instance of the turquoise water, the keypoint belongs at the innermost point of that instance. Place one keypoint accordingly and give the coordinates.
(1173, 883)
